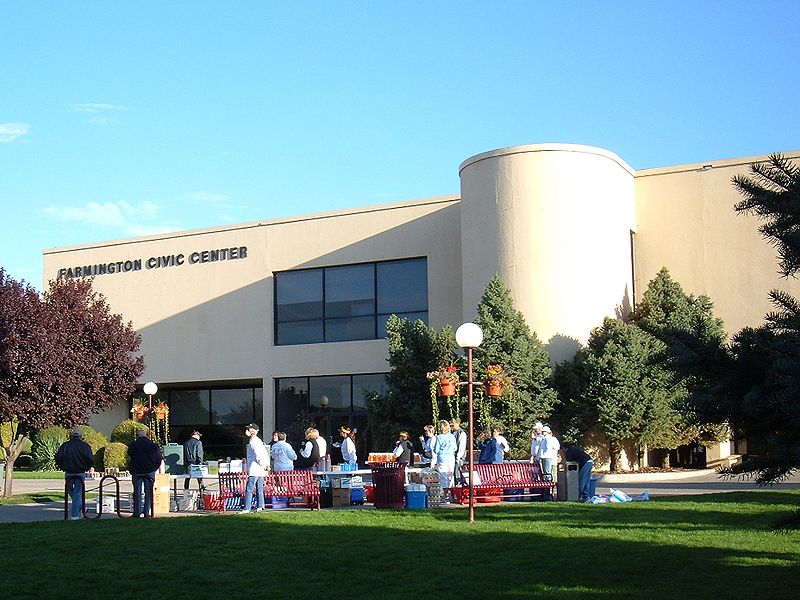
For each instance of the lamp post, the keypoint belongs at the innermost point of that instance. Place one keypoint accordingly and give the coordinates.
(150, 389)
(323, 401)
(469, 336)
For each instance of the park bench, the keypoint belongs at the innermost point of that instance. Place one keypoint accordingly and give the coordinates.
(298, 487)
(508, 480)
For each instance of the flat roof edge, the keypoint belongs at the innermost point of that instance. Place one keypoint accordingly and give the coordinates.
(254, 224)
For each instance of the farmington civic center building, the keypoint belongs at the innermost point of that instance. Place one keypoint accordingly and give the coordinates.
(282, 321)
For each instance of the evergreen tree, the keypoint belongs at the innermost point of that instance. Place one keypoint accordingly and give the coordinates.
(624, 385)
(763, 390)
(693, 338)
(508, 341)
(414, 350)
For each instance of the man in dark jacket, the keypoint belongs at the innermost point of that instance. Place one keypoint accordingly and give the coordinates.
(192, 455)
(75, 457)
(145, 460)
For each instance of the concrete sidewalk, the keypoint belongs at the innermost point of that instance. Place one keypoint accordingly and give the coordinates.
(674, 483)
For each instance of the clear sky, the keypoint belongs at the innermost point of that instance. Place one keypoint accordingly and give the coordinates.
(120, 119)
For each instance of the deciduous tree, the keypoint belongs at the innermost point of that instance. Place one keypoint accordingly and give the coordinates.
(63, 356)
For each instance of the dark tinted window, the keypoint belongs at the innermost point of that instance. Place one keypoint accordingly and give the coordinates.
(352, 302)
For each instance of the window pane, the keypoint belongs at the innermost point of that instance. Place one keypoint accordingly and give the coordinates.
(232, 407)
(403, 286)
(341, 330)
(421, 316)
(291, 406)
(335, 389)
(366, 385)
(299, 332)
(299, 295)
(350, 291)
(188, 407)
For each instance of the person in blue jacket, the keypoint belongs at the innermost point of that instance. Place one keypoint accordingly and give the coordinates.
(491, 450)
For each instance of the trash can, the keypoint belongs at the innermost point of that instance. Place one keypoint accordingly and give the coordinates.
(389, 480)
(567, 483)
(173, 458)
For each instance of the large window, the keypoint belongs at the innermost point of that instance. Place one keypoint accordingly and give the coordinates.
(353, 302)
(326, 402)
(219, 414)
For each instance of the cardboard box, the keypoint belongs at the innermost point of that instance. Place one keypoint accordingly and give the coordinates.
(340, 497)
(161, 494)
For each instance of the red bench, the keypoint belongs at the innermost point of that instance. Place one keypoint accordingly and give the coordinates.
(508, 476)
(277, 484)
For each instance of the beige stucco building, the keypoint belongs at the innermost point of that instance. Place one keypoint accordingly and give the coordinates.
(281, 320)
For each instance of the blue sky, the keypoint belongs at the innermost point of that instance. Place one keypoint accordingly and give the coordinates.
(120, 119)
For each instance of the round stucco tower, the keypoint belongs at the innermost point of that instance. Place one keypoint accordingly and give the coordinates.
(555, 221)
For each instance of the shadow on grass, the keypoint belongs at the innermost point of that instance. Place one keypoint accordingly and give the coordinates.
(545, 550)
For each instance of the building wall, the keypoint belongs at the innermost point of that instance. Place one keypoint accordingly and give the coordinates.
(686, 222)
(554, 220)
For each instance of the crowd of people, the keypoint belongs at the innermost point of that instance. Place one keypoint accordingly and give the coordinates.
(443, 448)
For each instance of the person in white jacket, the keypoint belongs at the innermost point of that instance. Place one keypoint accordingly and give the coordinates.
(257, 467)
(548, 452)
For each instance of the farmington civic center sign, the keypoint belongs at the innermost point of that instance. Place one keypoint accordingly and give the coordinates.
(155, 262)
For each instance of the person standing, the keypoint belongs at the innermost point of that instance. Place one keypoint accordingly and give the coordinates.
(257, 467)
(348, 447)
(144, 460)
(283, 455)
(75, 458)
(427, 441)
(403, 449)
(585, 463)
(536, 444)
(309, 453)
(491, 452)
(497, 434)
(444, 457)
(461, 446)
(192, 455)
(549, 452)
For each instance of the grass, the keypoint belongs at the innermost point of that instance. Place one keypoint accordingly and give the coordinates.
(709, 546)
(38, 474)
(35, 497)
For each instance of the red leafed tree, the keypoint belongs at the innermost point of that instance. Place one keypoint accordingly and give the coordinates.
(63, 356)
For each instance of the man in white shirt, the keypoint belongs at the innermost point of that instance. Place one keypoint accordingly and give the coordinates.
(549, 452)
(536, 444)
(257, 467)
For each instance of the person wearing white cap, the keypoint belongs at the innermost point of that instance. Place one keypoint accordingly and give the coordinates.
(257, 467)
(549, 452)
(536, 443)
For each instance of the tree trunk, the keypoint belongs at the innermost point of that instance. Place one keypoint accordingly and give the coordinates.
(665, 460)
(13, 450)
(614, 452)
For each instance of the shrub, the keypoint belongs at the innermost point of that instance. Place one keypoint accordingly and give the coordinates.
(5, 433)
(125, 432)
(95, 439)
(98, 459)
(115, 456)
(45, 445)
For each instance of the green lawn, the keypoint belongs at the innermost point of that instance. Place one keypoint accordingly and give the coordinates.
(18, 474)
(712, 546)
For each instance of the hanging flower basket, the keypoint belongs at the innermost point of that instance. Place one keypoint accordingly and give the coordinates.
(446, 387)
(161, 410)
(494, 380)
(494, 388)
(139, 410)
